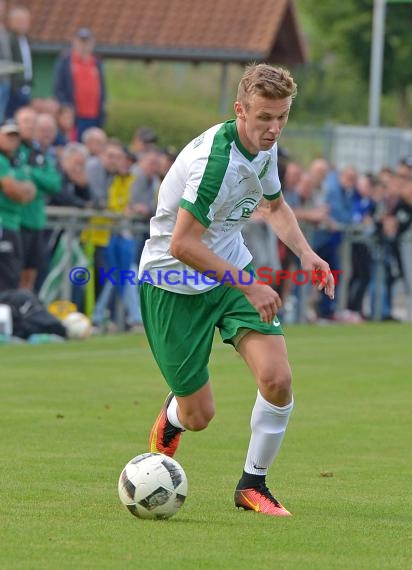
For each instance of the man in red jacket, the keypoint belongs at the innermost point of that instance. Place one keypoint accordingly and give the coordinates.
(79, 82)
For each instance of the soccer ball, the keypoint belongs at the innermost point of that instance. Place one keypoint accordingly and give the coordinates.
(152, 486)
(78, 326)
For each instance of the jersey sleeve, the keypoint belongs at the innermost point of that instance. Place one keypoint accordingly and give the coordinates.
(46, 177)
(205, 180)
(5, 168)
(270, 181)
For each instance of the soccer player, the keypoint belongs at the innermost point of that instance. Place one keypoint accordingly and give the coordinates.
(209, 193)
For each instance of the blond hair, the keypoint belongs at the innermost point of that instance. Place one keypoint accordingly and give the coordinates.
(266, 81)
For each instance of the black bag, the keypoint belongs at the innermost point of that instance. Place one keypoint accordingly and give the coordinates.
(29, 315)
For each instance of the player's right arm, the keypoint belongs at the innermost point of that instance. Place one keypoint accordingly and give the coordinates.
(187, 246)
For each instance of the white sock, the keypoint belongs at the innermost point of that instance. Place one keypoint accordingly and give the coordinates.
(268, 423)
(172, 413)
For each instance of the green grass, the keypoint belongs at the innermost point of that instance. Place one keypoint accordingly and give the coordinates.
(72, 415)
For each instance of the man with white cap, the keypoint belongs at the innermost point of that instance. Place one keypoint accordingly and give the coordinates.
(15, 190)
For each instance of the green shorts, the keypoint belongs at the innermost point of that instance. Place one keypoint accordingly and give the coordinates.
(180, 330)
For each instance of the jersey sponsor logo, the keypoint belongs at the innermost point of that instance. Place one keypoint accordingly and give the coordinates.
(242, 210)
(264, 169)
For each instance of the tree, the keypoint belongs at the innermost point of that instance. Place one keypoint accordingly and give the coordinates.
(340, 32)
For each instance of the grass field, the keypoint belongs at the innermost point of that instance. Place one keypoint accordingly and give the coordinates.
(72, 415)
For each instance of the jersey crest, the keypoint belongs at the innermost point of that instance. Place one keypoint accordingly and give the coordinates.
(264, 169)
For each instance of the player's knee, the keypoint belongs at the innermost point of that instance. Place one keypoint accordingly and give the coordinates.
(276, 386)
(198, 419)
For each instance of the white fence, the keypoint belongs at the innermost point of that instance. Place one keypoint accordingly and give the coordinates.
(367, 149)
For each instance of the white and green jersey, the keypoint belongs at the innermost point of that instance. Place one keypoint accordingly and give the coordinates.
(221, 184)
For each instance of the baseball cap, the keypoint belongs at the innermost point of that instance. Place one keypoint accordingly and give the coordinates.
(9, 127)
(84, 34)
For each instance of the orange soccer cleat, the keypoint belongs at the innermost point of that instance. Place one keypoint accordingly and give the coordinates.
(260, 500)
(164, 437)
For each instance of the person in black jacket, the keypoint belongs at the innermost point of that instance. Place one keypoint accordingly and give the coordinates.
(19, 24)
(5, 56)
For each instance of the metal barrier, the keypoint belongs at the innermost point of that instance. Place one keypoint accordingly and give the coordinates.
(367, 149)
(74, 220)
(377, 248)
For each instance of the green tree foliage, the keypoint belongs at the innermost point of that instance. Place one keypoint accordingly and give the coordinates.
(339, 34)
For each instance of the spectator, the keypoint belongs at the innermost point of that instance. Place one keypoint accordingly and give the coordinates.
(405, 167)
(404, 215)
(310, 215)
(15, 190)
(262, 241)
(166, 159)
(327, 239)
(19, 25)
(45, 176)
(65, 127)
(319, 169)
(79, 81)
(101, 171)
(45, 105)
(146, 183)
(307, 208)
(361, 253)
(293, 173)
(5, 56)
(121, 250)
(95, 140)
(143, 139)
(45, 132)
(394, 223)
(144, 192)
(75, 191)
(403, 209)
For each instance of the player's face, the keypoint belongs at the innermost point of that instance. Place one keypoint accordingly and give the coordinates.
(261, 122)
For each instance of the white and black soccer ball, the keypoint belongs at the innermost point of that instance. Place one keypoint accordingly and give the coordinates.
(78, 326)
(153, 486)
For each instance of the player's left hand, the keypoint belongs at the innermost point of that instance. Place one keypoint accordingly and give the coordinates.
(319, 272)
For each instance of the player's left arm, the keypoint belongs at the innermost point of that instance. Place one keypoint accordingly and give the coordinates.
(284, 223)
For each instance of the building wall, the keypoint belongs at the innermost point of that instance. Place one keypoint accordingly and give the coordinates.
(43, 67)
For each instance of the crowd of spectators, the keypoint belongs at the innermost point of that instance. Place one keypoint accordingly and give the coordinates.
(56, 152)
(98, 172)
(371, 214)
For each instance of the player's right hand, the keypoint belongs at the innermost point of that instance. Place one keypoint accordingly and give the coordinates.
(265, 300)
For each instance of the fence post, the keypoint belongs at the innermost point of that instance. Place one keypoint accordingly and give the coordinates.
(89, 297)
